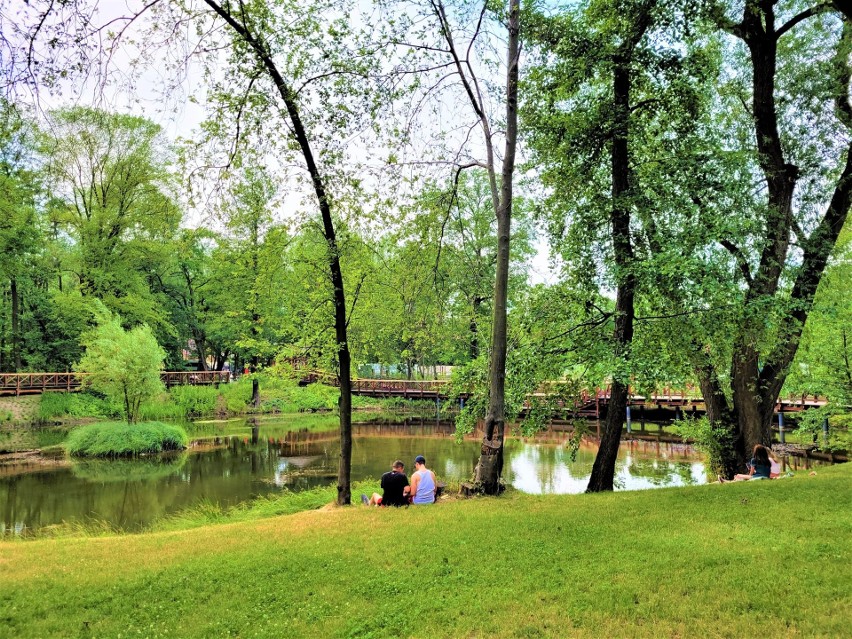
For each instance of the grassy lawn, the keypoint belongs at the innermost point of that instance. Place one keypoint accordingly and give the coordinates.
(749, 559)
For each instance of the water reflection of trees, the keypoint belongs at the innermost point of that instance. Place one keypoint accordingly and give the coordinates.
(661, 472)
(537, 468)
(227, 470)
(113, 470)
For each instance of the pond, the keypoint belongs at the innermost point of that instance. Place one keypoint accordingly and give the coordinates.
(236, 461)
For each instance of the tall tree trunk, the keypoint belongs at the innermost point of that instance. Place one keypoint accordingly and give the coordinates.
(725, 460)
(474, 328)
(255, 392)
(201, 350)
(16, 324)
(755, 388)
(603, 470)
(288, 97)
(490, 465)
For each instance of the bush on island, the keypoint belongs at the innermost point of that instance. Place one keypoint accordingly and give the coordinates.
(120, 439)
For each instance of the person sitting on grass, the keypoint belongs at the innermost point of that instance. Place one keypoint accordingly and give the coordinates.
(424, 486)
(774, 466)
(395, 488)
(759, 467)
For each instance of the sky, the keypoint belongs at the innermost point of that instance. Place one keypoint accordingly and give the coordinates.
(176, 100)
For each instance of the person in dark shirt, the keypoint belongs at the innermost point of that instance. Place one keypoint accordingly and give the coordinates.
(760, 466)
(395, 488)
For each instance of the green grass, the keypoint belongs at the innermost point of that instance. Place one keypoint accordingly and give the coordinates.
(285, 503)
(755, 558)
(120, 439)
(81, 404)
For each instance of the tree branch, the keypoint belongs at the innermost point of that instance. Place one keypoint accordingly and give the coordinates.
(742, 262)
(804, 15)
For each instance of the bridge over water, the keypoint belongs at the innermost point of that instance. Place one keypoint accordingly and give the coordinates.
(590, 403)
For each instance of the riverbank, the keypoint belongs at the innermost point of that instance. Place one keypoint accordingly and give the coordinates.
(766, 558)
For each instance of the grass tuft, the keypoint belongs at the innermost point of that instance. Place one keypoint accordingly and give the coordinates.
(120, 439)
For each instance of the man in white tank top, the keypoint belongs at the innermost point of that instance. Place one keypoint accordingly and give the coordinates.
(423, 483)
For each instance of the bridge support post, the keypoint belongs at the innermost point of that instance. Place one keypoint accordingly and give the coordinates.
(628, 418)
(437, 405)
(642, 416)
(825, 429)
(781, 426)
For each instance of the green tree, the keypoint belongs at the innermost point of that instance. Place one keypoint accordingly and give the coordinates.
(108, 187)
(124, 365)
(450, 45)
(602, 95)
(19, 223)
(796, 69)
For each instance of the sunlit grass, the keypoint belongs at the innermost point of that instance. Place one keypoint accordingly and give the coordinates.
(120, 439)
(760, 558)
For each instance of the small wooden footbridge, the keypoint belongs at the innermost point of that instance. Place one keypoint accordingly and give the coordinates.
(35, 383)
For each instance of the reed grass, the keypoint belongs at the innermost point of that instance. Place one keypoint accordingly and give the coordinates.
(120, 439)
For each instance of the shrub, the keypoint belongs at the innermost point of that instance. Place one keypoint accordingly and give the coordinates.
(123, 365)
(118, 439)
(716, 442)
(810, 427)
(54, 405)
(182, 402)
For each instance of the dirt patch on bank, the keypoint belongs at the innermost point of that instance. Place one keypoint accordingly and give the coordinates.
(19, 409)
(30, 461)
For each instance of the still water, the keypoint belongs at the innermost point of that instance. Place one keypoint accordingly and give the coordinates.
(237, 461)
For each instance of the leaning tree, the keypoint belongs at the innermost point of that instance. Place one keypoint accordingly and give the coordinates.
(292, 78)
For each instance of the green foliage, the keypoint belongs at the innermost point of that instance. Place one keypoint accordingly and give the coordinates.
(715, 441)
(118, 439)
(123, 365)
(55, 405)
(823, 364)
(109, 190)
(810, 428)
(193, 401)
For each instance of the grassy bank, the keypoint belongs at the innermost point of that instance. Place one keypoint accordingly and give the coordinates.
(756, 558)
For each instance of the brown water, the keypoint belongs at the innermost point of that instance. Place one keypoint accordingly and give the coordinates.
(246, 462)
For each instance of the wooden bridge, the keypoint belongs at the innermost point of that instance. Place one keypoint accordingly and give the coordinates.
(587, 404)
(34, 383)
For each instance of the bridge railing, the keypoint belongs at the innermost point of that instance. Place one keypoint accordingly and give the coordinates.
(29, 383)
(398, 386)
(194, 378)
(19, 383)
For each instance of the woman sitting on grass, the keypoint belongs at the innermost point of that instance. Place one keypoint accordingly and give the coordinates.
(759, 467)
